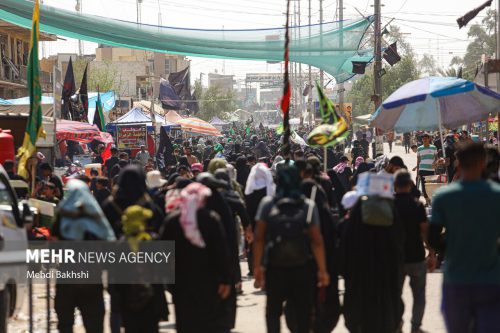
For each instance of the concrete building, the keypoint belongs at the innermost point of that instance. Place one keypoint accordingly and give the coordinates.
(134, 68)
(226, 82)
(14, 52)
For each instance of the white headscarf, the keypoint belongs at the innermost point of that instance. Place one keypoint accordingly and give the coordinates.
(260, 177)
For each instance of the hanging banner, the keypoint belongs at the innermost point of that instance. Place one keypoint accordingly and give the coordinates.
(131, 136)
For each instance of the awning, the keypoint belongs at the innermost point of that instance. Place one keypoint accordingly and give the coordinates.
(332, 46)
(172, 116)
(198, 126)
(82, 132)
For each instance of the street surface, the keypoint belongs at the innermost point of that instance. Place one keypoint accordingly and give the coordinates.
(251, 305)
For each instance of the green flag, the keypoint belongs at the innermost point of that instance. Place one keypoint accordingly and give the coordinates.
(333, 129)
(34, 127)
(99, 114)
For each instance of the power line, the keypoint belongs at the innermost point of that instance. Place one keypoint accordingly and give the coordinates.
(424, 22)
(431, 32)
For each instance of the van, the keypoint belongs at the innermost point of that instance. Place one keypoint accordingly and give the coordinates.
(13, 245)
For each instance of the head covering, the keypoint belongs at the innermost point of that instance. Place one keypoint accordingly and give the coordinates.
(276, 161)
(358, 161)
(288, 181)
(40, 156)
(189, 200)
(80, 214)
(349, 199)
(260, 177)
(197, 167)
(218, 148)
(216, 163)
(154, 179)
(339, 168)
(131, 185)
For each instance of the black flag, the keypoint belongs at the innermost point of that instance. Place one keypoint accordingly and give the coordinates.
(68, 90)
(84, 94)
(181, 84)
(391, 54)
(165, 152)
(462, 21)
(358, 67)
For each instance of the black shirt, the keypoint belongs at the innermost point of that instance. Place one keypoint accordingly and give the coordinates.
(412, 214)
(110, 163)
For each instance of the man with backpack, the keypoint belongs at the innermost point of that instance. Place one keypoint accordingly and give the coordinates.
(288, 230)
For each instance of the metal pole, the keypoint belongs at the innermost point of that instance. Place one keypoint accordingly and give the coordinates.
(310, 95)
(379, 142)
(321, 74)
(341, 25)
(79, 9)
(301, 86)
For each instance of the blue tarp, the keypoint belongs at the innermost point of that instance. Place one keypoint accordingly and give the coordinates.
(107, 99)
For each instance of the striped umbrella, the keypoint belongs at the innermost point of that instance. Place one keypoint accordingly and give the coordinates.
(432, 103)
(196, 125)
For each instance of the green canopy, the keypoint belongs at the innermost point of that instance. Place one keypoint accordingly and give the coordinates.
(331, 47)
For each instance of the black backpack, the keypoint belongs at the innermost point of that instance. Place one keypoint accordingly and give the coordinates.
(288, 243)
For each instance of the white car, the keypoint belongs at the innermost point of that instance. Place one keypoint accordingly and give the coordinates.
(13, 244)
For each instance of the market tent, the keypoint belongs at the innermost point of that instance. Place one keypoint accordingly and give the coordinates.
(82, 132)
(136, 115)
(198, 126)
(146, 106)
(172, 117)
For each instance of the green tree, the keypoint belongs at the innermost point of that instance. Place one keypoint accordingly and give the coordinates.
(216, 103)
(427, 65)
(403, 72)
(103, 75)
(197, 90)
(483, 42)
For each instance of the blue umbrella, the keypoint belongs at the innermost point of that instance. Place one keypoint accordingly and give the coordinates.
(435, 102)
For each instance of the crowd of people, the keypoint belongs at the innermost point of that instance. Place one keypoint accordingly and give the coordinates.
(301, 230)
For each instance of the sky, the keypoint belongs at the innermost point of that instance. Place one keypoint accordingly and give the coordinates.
(429, 25)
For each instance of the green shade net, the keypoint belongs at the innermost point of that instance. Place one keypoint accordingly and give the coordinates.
(332, 46)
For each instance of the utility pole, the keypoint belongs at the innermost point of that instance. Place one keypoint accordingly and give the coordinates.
(301, 85)
(138, 3)
(79, 9)
(341, 25)
(310, 95)
(379, 141)
(321, 74)
(159, 14)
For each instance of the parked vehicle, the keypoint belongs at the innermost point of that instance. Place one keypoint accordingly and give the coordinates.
(13, 245)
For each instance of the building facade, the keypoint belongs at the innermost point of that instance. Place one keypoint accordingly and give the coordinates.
(225, 82)
(137, 68)
(14, 52)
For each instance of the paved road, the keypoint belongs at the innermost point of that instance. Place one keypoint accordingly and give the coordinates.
(251, 304)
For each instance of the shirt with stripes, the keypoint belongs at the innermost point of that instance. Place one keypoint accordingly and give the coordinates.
(427, 157)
